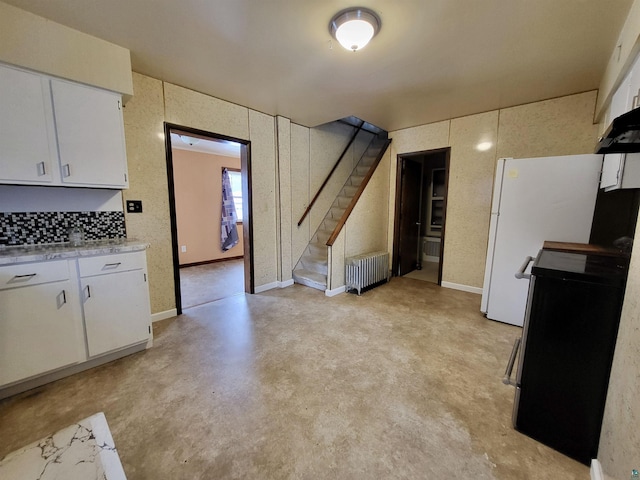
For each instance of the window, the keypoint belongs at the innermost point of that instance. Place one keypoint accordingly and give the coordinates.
(235, 177)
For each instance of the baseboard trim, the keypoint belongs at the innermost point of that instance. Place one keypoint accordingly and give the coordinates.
(267, 286)
(207, 262)
(464, 288)
(596, 470)
(286, 283)
(335, 291)
(156, 317)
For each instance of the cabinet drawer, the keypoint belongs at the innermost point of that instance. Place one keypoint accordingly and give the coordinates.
(104, 264)
(12, 276)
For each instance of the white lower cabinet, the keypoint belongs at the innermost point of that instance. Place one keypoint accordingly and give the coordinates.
(40, 320)
(115, 300)
(61, 313)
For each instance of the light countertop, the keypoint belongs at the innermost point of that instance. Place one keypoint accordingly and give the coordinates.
(82, 451)
(57, 251)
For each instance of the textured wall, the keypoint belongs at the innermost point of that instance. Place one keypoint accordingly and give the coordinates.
(196, 110)
(561, 126)
(263, 178)
(619, 449)
(156, 102)
(300, 196)
(471, 174)
(144, 133)
(366, 228)
(197, 178)
(284, 218)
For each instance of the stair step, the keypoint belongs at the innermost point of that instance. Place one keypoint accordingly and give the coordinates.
(337, 212)
(341, 201)
(362, 170)
(356, 180)
(322, 236)
(310, 279)
(330, 223)
(315, 264)
(348, 191)
(367, 161)
(318, 248)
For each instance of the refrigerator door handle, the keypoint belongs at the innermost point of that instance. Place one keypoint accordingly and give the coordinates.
(520, 273)
(512, 360)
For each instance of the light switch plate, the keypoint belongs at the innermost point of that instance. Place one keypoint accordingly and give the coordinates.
(134, 206)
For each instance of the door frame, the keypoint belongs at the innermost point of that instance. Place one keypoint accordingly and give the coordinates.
(247, 205)
(396, 220)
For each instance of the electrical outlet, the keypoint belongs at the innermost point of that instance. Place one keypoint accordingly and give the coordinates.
(183, 248)
(134, 206)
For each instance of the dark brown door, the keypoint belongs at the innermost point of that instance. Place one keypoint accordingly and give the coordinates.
(411, 183)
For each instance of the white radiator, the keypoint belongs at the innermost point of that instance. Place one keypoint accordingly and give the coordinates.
(431, 249)
(366, 271)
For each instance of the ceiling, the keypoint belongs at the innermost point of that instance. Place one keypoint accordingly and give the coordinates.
(432, 60)
(202, 144)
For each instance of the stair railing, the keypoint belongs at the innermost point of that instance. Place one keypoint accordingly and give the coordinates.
(326, 180)
(354, 200)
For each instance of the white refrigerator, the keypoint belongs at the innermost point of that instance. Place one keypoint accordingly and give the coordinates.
(534, 199)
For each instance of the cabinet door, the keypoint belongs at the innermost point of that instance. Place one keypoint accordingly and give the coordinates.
(26, 128)
(611, 176)
(39, 330)
(90, 133)
(116, 310)
(633, 85)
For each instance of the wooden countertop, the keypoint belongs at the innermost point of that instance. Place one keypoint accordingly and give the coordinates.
(580, 248)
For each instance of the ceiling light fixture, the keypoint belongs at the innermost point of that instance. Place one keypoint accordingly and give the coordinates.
(354, 27)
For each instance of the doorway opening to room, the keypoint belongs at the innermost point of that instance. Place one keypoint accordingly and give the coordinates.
(420, 214)
(210, 206)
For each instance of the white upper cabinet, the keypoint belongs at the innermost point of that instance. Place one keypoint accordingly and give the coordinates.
(55, 132)
(27, 140)
(633, 86)
(627, 96)
(620, 170)
(90, 135)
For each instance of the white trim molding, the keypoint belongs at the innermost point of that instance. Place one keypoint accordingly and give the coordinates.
(156, 317)
(596, 470)
(267, 286)
(335, 291)
(464, 288)
(272, 285)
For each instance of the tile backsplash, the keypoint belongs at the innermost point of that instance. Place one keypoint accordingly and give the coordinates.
(28, 228)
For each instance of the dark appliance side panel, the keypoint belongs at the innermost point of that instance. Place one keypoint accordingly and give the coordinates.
(568, 354)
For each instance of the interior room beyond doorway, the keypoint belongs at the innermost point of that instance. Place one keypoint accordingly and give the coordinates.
(420, 215)
(208, 270)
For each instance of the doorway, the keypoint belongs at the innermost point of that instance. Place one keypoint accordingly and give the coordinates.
(420, 214)
(197, 160)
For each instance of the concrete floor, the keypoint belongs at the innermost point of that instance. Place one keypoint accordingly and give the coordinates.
(402, 382)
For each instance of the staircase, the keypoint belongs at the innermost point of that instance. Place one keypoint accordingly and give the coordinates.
(311, 269)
